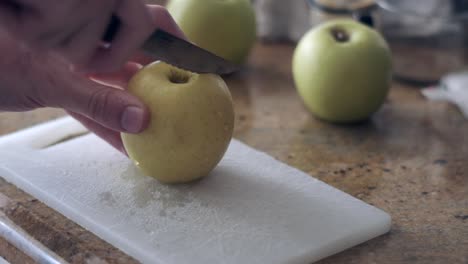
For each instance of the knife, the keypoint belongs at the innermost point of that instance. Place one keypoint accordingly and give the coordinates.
(178, 52)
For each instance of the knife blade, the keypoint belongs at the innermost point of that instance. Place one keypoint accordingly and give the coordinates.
(178, 52)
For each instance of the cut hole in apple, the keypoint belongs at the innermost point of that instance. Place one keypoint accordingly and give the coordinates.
(339, 34)
(179, 77)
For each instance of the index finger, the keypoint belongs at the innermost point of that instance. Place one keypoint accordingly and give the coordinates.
(118, 79)
(163, 20)
(135, 26)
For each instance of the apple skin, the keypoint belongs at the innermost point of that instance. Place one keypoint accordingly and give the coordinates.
(190, 128)
(226, 28)
(342, 82)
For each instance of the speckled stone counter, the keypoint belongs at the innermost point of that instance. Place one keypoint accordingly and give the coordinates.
(410, 159)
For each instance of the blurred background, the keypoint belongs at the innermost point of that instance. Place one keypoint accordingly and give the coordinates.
(438, 29)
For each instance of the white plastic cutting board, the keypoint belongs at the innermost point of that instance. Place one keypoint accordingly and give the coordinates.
(251, 209)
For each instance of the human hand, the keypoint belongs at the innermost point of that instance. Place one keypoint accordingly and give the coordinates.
(117, 80)
(75, 28)
(30, 79)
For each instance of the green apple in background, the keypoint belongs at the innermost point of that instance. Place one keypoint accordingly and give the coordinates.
(225, 27)
(342, 70)
(192, 120)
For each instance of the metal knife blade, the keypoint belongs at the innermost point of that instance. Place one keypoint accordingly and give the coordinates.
(178, 52)
(183, 54)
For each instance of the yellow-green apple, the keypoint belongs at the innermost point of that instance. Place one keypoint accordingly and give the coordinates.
(225, 27)
(191, 125)
(342, 70)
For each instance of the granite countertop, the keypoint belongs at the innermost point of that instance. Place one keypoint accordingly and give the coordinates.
(410, 159)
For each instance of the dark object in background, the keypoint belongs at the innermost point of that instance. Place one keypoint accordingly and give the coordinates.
(460, 6)
(366, 19)
(434, 33)
(362, 11)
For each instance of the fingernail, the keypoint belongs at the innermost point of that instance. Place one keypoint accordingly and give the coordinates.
(132, 119)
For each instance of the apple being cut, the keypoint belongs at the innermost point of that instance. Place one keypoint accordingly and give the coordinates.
(227, 28)
(342, 70)
(192, 120)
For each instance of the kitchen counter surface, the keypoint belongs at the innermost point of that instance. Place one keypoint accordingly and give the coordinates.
(410, 159)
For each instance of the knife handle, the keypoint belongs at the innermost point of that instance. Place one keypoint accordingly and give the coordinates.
(112, 29)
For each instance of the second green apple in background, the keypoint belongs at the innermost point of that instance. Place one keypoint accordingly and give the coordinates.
(225, 27)
(342, 70)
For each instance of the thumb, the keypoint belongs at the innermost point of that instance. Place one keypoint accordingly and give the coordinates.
(109, 106)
